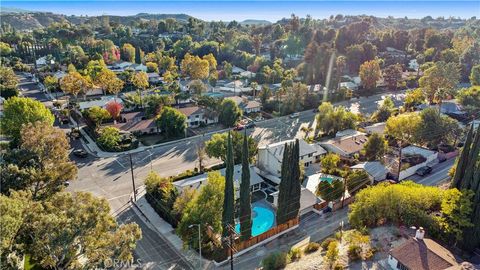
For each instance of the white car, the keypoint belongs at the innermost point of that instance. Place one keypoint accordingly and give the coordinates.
(294, 115)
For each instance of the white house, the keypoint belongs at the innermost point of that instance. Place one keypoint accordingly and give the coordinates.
(349, 85)
(153, 77)
(101, 102)
(197, 115)
(42, 61)
(197, 181)
(376, 128)
(247, 106)
(312, 181)
(237, 70)
(307, 201)
(269, 157)
(413, 64)
(420, 253)
(375, 169)
(346, 145)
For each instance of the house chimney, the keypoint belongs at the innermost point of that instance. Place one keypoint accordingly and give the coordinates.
(420, 233)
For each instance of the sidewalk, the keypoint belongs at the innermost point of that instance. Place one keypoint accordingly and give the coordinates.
(165, 230)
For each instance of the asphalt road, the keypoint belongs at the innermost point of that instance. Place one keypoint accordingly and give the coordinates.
(111, 177)
(153, 251)
(438, 175)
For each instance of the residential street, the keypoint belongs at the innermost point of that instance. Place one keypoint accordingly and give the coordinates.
(111, 178)
(438, 175)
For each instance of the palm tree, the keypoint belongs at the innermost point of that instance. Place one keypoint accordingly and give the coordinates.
(306, 130)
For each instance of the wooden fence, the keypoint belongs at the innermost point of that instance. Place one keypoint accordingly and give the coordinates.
(240, 245)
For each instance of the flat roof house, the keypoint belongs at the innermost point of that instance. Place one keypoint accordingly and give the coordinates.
(421, 253)
(346, 145)
(269, 157)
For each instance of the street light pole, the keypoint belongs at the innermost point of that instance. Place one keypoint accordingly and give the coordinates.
(199, 243)
(133, 178)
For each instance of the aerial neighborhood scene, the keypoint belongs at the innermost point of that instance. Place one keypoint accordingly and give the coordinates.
(240, 135)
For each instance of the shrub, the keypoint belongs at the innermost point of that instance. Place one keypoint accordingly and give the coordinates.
(332, 252)
(312, 247)
(274, 261)
(327, 242)
(294, 254)
(338, 267)
(354, 252)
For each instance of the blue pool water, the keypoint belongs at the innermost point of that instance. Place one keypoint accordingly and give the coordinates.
(263, 219)
(328, 179)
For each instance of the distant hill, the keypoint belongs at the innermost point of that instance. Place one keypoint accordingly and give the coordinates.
(255, 22)
(13, 10)
(28, 20)
(178, 17)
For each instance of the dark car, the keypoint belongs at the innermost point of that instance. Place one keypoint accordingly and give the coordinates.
(239, 127)
(250, 125)
(80, 153)
(424, 171)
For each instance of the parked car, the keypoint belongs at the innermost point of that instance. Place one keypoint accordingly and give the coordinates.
(239, 127)
(250, 125)
(424, 171)
(80, 153)
(294, 115)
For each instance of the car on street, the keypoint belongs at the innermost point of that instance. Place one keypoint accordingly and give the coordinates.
(250, 125)
(424, 171)
(239, 127)
(294, 115)
(80, 153)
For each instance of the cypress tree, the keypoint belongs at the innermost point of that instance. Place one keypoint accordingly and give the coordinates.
(284, 187)
(228, 201)
(245, 200)
(295, 183)
(290, 186)
(462, 161)
(467, 176)
(138, 59)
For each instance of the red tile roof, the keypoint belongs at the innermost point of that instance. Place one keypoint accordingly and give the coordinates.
(423, 254)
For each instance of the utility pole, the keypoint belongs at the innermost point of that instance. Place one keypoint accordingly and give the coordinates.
(231, 246)
(133, 178)
(399, 160)
(344, 190)
(230, 241)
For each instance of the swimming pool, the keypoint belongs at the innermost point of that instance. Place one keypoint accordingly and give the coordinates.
(325, 178)
(263, 219)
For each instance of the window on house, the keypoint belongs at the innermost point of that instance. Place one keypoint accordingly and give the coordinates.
(306, 164)
(310, 155)
(401, 266)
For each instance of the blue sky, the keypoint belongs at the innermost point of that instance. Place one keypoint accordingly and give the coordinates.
(227, 10)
